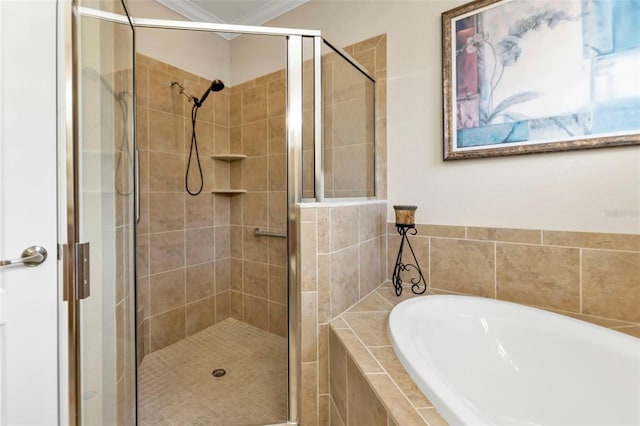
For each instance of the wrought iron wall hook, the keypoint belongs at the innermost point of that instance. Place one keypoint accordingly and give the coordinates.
(418, 284)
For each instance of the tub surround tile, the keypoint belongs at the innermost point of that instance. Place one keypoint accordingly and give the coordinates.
(338, 374)
(633, 330)
(374, 302)
(537, 275)
(368, 325)
(611, 284)
(363, 407)
(387, 358)
(507, 235)
(432, 417)
(366, 362)
(309, 325)
(627, 242)
(463, 266)
(400, 409)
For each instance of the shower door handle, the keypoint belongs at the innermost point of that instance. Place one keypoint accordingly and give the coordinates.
(31, 256)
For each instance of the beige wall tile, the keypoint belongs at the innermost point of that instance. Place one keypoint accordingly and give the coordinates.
(344, 280)
(277, 284)
(199, 245)
(309, 394)
(400, 410)
(199, 211)
(277, 172)
(237, 274)
(324, 288)
(200, 315)
(443, 231)
(363, 406)
(237, 305)
(163, 97)
(369, 264)
(277, 251)
(167, 291)
(222, 140)
(323, 358)
(277, 209)
(592, 240)
(223, 306)
(324, 229)
(432, 417)
(167, 133)
(277, 101)
(142, 256)
(386, 356)
(222, 242)
(255, 209)
(256, 312)
(463, 266)
(221, 108)
(221, 210)
(324, 414)
(528, 236)
(255, 173)
(166, 251)
(372, 303)
(309, 326)
(235, 108)
(278, 319)
(254, 138)
(199, 281)
(344, 227)
(166, 328)
(166, 172)
(277, 135)
(256, 279)
(369, 326)
(611, 284)
(537, 275)
(223, 275)
(358, 352)
(255, 248)
(334, 415)
(368, 221)
(308, 256)
(254, 103)
(338, 374)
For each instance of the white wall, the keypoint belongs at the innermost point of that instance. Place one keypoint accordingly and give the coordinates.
(590, 190)
(204, 54)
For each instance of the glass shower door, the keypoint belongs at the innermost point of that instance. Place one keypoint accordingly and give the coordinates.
(104, 216)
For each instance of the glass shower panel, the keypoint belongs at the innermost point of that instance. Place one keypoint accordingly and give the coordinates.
(105, 145)
(348, 128)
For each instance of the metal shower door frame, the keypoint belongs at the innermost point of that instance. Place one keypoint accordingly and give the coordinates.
(294, 161)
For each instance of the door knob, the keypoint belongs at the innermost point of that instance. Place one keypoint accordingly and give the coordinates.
(31, 256)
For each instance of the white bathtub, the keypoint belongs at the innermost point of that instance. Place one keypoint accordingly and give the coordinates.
(486, 362)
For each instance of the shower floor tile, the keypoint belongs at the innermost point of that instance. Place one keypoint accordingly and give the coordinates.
(176, 387)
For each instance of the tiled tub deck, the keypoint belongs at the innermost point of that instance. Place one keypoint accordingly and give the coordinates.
(368, 384)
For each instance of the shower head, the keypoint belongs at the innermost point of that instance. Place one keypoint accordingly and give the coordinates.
(216, 86)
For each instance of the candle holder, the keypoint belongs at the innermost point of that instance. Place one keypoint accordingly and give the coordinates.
(405, 224)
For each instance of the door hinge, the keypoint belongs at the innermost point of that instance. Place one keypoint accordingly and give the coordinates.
(76, 270)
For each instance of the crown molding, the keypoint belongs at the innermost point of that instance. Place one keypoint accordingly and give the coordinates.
(270, 10)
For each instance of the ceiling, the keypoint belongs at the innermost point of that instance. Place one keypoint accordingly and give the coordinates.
(239, 12)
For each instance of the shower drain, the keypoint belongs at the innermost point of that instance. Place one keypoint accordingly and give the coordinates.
(218, 372)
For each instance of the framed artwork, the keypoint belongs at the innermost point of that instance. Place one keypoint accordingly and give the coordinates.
(526, 76)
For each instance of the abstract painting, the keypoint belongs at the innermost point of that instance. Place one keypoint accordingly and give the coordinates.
(525, 76)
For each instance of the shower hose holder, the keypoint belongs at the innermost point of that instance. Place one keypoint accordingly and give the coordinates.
(418, 283)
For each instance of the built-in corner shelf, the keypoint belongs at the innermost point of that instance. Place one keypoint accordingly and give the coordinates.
(228, 191)
(228, 157)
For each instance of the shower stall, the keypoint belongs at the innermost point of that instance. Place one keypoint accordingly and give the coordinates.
(204, 205)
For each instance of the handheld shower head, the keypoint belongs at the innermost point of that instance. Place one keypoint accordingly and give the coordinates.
(216, 86)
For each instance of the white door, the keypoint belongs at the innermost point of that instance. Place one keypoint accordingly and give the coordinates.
(28, 309)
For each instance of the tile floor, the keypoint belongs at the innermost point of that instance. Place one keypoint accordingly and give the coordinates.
(176, 387)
